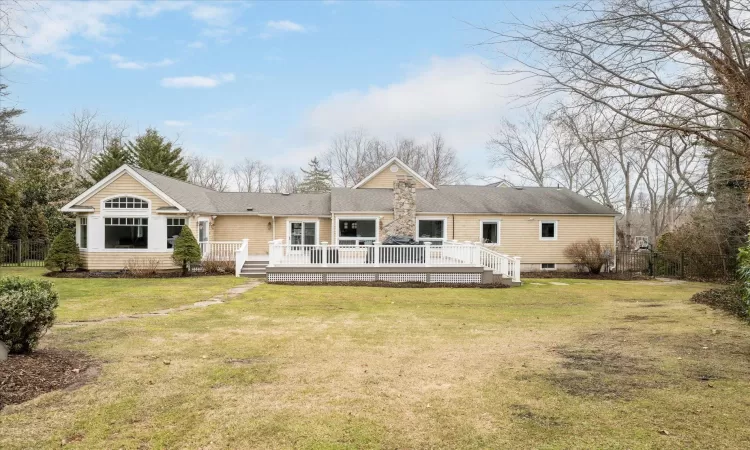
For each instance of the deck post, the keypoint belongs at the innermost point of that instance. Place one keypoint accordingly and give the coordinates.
(324, 259)
(271, 255)
(376, 254)
(517, 269)
(427, 256)
(504, 266)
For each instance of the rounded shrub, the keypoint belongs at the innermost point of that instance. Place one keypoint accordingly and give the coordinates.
(27, 310)
(64, 253)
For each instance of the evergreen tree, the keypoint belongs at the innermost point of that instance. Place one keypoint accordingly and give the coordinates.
(186, 250)
(8, 200)
(37, 226)
(316, 178)
(64, 253)
(114, 156)
(152, 152)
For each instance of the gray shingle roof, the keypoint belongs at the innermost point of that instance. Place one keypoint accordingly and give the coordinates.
(445, 199)
(199, 199)
(473, 199)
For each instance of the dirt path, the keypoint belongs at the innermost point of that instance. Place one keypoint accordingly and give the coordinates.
(215, 300)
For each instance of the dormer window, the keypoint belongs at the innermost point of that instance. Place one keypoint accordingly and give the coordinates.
(126, 203)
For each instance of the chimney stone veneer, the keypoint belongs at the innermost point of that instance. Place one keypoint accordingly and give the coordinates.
(404, 209)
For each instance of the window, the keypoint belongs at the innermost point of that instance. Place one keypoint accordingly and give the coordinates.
(431, 230)
(126, 203)
(357, 232)
(174, 227)
(490, 231)
(84, 233)
(548, 231)
(549, 266)
(302, 233)
(125, 232)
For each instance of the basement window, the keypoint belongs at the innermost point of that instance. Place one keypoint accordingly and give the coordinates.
(549, 266)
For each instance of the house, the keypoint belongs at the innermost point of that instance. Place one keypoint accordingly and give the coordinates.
(135, 214)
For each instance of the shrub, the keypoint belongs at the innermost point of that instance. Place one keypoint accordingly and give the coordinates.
(589, 255)
(27, 310)
(743, 272)
(218, 266)
(186, 250)
(729, 298)
(64, 253)
(142, 267)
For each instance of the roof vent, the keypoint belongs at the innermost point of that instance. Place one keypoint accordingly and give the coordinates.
(250, 209)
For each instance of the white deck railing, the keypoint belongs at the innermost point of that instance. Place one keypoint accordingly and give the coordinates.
(449, 253)
(240, 256)
(220, 250)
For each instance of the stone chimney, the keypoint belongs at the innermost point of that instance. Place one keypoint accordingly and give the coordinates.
(404, 209)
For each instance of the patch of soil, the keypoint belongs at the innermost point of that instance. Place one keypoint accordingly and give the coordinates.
(634, 318)
(728, 298)
(123, 274)
(627, 276)
(525, 413)
(601, 373)
(387, 284)
(23, 377)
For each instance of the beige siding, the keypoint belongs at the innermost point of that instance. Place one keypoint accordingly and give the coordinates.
(119, 260)
(386, 178)
(124, 184)
(259, 230)
(519, 235)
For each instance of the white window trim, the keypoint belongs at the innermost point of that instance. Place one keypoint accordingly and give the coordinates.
(124, 212)
(340, 218)
(499, 228)
(166, 227)
(198, 230)
(557, 230)
(445, 229)
(289, 229)
(553, 268)
(79, 238)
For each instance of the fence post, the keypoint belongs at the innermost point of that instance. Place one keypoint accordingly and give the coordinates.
(376, 253)
(427, 261)
(20, 247)
(324, 260)
(682, 264)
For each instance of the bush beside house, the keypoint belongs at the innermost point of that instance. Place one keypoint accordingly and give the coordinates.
(27, 310)
(186, 250)
(64, 253)
(590, 255)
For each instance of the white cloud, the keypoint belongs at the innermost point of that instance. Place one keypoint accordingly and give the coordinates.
(49, 28)
(285, 25)
(176, 123)
(73, 60)
(196, 44)
(212, 14)
(458, 97)
(197, 81)
(122, 63)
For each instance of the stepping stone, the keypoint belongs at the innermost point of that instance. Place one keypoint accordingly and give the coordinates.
(537, 284)
(557, 283)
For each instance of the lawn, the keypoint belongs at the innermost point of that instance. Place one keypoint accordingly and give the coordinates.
(585, 364)
(91, 299)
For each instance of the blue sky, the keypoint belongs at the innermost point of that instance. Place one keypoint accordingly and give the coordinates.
(272, 81)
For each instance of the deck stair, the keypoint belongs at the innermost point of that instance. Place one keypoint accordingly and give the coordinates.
(254, 269)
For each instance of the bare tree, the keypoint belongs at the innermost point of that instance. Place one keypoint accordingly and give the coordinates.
(675, 65)
(83, 136)
(441, 163)
(526, 148)
(251, 175)
(354, 155)
(208, 173)
(285, 181)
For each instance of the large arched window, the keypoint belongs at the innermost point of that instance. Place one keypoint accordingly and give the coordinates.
(126, 203)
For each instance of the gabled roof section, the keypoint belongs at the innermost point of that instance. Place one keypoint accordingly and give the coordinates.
(74, 205)
(403, 166)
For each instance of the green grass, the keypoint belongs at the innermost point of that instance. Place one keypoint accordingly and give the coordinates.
(591, 364)
(98, 298)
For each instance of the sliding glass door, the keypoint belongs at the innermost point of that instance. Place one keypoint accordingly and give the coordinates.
(302, 233)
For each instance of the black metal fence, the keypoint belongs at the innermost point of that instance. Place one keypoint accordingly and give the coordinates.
(675, 265)
(23, 253)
